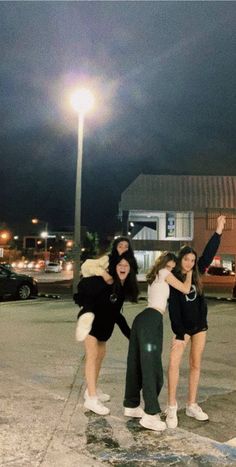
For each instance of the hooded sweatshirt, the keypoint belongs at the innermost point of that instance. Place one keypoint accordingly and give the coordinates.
(188, 312)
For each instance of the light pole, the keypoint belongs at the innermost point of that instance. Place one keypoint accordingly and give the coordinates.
(43, 234)
(82, 101)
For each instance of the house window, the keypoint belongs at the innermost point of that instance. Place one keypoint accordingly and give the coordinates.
(170, 225)
(179, 225)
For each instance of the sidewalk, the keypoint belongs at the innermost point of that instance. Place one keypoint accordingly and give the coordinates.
(42, 419)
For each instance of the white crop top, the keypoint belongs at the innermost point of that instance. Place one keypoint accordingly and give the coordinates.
(159, 291)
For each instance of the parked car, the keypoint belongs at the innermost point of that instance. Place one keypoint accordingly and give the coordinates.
(7, 265)
(219, 280)
(53, 267)
(219, 271)
(16, 285)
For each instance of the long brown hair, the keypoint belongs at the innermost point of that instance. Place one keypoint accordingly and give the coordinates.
(196, 278)
(160, 263)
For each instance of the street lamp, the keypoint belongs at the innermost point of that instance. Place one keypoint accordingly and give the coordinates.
(44, 234)
(82, 101)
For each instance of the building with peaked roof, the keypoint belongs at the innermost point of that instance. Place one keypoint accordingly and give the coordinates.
(180, 209)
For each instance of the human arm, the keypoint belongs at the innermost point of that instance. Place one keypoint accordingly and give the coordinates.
(183, 287)
(212, 246)
(123, 325)
(175, 314)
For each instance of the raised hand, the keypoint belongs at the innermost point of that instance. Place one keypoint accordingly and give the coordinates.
(221, 220)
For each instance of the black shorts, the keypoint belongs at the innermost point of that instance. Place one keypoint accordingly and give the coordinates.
(192, 332)
(103, 325)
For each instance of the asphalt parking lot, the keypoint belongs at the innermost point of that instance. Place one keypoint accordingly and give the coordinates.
(42, 419)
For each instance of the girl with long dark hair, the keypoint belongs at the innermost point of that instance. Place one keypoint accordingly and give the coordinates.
(105, 265)
(104, 302)
(188, 315)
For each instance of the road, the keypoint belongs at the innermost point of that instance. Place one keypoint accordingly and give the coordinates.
(62, 288)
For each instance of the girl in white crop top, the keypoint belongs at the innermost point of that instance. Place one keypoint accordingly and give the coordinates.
(159, 291)
(160, 277)
(144, 365)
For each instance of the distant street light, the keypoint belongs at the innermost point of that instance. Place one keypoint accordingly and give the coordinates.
(5, 235)
(44, 234)
(82, 101)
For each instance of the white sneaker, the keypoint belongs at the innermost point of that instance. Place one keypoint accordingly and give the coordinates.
(84, 326)
(171, 416)
(193, 410)
(100, 395)
(134, 412)
(94, 404)
(152, 422)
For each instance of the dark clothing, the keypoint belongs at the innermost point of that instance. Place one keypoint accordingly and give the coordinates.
(188, 312)
(144, 364)
(106, 302)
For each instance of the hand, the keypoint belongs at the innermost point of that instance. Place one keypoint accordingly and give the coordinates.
(221, 220)
(107, 278)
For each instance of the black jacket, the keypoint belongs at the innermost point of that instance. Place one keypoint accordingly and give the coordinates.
(188, 312)
(105, 301)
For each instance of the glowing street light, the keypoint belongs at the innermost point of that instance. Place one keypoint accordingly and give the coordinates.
(82, 101)
(44, 234)
(5, 235)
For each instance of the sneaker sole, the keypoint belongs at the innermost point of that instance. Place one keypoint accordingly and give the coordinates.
(198, 419)
(96, 412)
(149, 427)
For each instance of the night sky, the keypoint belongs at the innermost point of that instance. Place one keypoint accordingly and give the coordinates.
(164, 77)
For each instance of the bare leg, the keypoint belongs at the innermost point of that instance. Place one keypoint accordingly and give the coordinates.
(176, 354)
(101, 355)
(94, 354)
(197, 346)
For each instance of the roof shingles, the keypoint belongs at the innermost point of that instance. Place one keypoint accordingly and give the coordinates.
(180, 192)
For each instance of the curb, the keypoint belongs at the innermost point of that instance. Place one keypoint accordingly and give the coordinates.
(49, 295)
(223, 299)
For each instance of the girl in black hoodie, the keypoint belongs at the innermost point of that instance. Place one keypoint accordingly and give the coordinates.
(188, 315)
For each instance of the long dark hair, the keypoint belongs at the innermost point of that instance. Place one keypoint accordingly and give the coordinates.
(160, 263)
(114, 255)
(196, 279)
(130, 286)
